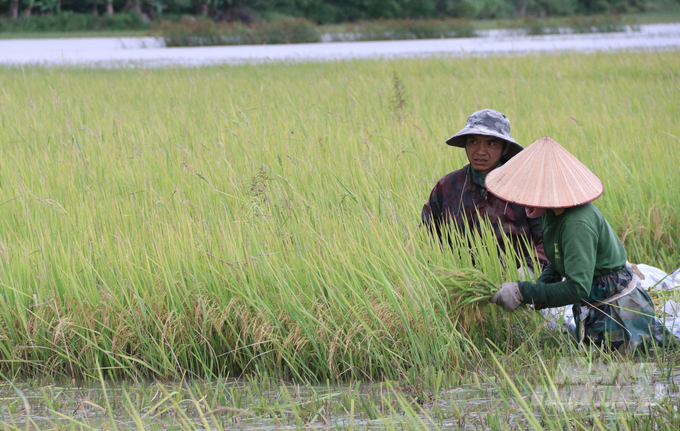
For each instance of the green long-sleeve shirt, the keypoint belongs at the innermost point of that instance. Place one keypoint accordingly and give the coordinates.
(580, 245)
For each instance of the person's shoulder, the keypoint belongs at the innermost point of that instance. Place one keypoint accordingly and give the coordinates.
(450, 184)
(583, 212)
(583, 215)
(454, 177)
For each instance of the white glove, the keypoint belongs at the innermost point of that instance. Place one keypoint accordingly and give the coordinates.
(508, 296)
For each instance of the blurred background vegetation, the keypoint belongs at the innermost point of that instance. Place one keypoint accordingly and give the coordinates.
(88, 15)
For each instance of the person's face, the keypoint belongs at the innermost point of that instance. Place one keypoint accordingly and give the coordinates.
(484, 152)
(533, 212)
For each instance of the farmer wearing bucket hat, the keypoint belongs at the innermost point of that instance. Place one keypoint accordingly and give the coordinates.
(460, 199)
(587, 260)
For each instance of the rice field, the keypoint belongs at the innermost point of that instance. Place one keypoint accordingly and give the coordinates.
(263, 221)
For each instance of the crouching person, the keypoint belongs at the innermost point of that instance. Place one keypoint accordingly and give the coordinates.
(587, 260)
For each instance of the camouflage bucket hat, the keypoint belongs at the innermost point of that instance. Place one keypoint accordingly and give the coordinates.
(489, 123)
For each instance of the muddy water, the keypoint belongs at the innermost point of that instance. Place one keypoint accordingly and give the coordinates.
(236, 404)
(150, 52)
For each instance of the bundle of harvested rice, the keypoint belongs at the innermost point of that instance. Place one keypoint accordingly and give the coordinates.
(467, 292)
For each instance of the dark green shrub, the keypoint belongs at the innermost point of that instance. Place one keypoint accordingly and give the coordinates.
(76, 22)
(67, 21)
(534, 27)
(612, 6)
(406, 29)
(126, 21)
(581, 24)
(192, 32)
(288, 31)
(537, 8)
(597, 24)
(188, 32)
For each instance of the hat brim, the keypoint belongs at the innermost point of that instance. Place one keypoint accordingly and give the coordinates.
(527, 203)
(458, 140)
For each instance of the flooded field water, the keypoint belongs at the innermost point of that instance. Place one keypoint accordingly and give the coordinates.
(575, 390)
(150, 52)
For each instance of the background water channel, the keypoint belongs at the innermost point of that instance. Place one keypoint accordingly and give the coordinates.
(150, 52)
(486, 402)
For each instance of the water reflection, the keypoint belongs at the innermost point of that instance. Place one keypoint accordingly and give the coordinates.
(575, 387)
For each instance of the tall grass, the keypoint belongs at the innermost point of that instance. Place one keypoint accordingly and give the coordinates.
(265, 219)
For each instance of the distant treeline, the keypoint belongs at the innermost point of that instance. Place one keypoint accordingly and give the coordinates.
(331, 11)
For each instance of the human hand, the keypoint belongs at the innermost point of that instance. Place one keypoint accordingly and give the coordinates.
(508, 296)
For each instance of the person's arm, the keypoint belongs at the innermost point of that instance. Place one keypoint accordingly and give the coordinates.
(537, 238)
(549, 275)
(431, 215)
(579, 251)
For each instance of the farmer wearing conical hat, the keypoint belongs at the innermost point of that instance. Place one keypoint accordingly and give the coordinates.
(587, 260)
(460, 198)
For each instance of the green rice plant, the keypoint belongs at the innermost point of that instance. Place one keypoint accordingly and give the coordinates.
(264, 219)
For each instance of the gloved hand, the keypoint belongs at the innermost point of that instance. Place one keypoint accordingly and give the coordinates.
(508, 296)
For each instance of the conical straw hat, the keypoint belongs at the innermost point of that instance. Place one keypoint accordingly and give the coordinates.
(544, 175)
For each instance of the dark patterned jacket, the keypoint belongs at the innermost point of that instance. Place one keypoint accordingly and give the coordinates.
(459, 197)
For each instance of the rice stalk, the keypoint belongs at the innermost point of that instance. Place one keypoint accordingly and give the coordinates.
(467, 292)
